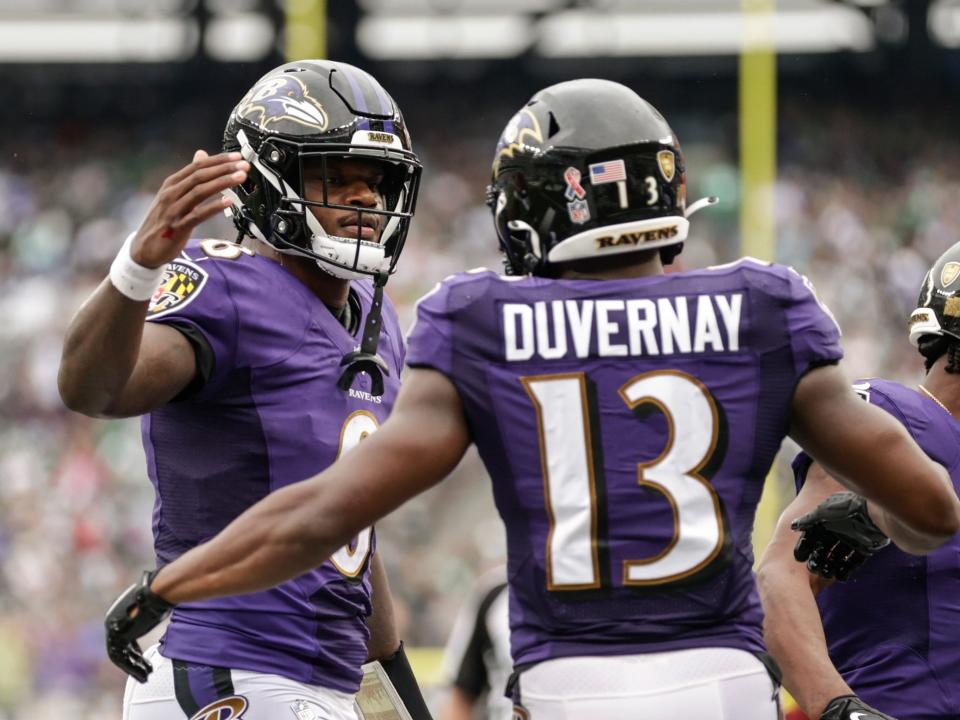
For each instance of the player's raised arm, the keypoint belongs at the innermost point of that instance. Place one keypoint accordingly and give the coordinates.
(113, 364)
(870, 452)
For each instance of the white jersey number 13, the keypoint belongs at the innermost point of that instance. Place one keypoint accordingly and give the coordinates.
(570, 477)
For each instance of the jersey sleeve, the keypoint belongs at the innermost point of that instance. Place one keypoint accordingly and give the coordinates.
(814, 333)
(196, 296)
(430, 338)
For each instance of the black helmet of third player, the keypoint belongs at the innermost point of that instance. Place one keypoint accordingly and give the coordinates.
(312, 111)
(587, 169)
(937, 316)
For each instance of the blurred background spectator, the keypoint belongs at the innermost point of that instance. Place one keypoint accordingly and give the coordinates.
(866, 196)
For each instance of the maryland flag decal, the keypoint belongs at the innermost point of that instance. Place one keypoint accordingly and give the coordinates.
(182, 282)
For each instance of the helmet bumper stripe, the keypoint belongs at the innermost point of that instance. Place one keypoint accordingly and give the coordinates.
(923, 321)
(621, 238)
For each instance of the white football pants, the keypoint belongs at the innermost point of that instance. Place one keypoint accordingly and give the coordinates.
(199, 692)
(701, 683)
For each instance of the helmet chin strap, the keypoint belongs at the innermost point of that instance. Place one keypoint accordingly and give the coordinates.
(365, 359)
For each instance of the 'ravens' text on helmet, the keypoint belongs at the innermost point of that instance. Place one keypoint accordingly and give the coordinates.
(310, 111)
(587, 169)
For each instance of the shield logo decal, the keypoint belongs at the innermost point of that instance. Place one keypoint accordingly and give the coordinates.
(668, 167)
(949, 273)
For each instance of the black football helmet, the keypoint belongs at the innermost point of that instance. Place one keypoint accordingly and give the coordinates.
(314, 110)
(586, 169)
(938, 308)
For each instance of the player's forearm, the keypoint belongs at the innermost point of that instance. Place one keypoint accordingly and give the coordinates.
(925, 518)
(298, 527)
(263, 547)
(903, 535)
(100, 350)
(794, 636)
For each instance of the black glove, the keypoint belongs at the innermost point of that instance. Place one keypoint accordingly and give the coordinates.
(838, 536)
(134, 614)
(850, 707)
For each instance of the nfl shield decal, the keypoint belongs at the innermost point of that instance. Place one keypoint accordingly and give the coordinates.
(579, 211)
(667, 164)
(949, 273)
(303, 710)
(182, 282)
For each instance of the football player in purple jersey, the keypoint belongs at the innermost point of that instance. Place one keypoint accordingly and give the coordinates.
(255, 365)
(890, 636)
(627, 418)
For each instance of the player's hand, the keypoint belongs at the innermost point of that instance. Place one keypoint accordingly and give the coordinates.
(132, 615)
(850, 707)
(837, 536)
(186, 198)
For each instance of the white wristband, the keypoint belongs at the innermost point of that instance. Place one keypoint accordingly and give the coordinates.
(131, 278)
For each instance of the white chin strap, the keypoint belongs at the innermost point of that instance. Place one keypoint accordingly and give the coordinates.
(342, 257)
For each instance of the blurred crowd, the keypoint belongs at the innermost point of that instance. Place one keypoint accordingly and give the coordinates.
(864, 203)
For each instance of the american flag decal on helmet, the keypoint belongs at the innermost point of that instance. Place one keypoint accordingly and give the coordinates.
(607, 172)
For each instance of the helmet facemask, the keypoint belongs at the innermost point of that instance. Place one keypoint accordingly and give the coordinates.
(281, 214)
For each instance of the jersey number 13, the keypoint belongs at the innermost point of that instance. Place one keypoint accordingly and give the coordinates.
(570, 476)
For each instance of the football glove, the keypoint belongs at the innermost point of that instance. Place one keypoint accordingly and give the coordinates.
(132, 615)
(837, 536)
(850, 707)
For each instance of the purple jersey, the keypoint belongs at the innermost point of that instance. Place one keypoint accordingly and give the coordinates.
(893, 629)
(628, 426)
(269, 414)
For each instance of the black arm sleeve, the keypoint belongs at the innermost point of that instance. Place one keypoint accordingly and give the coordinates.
(401, 675)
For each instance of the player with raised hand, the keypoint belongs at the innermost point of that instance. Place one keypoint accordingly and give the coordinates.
(889, 636)
(244, 361)
(627, 418)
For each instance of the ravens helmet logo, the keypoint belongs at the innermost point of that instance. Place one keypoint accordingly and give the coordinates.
(282, 98)
(522, 131)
